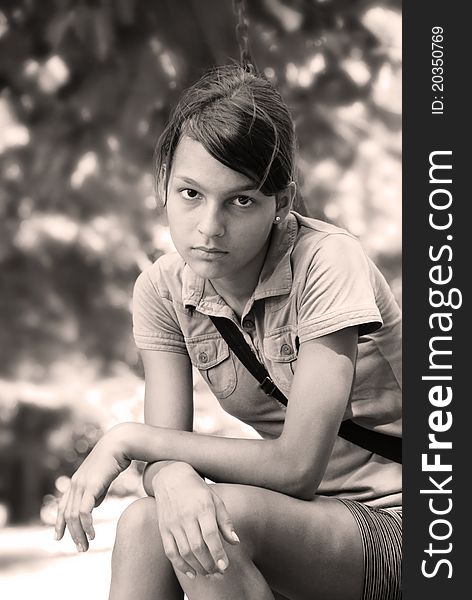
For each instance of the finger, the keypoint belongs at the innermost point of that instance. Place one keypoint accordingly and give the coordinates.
(60, 525)
(173, 554)
(85, 513)
(186, 552)
(71, 520)
(199, 548)
(80, 538)
(68, 516)
(225, 523)
(211, 535)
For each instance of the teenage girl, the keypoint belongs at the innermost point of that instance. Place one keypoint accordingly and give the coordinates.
(301, 513)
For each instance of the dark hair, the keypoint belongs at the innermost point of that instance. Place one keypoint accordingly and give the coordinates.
(241, 120)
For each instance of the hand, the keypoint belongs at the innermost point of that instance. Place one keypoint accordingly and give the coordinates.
(192, 521)
(88, 488)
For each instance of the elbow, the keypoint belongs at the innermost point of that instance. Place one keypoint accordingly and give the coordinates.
(299, 482)
(303, 488)
(304, 493)
(296, 477)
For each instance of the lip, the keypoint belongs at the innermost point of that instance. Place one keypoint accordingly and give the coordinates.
(209, 250)
(209, 254)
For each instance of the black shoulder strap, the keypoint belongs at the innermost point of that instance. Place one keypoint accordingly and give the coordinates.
(383, 444)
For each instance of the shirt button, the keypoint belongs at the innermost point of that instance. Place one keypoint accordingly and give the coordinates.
(248, 324)
(203, 357)
(286, 349)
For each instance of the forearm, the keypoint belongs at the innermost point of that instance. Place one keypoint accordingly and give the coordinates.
(262, 463)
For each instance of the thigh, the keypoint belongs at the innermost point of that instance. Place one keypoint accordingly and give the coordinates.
(304, 549)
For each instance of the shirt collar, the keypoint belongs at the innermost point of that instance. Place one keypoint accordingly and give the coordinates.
(275, 278)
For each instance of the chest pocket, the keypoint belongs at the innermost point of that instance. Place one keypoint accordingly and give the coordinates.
(211, 356)
(281, 351)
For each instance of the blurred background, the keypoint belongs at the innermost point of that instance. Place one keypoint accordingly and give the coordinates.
(85, 89)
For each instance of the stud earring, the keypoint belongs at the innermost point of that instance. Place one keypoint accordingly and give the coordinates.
(277, 220)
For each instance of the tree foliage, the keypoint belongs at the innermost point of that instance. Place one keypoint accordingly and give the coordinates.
(86, 89)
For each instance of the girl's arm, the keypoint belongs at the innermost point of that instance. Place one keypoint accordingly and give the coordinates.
(168, 399)
(180, 492)
(295, 462)
(182, 496)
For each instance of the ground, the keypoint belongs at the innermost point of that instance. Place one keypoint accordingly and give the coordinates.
(34, 565)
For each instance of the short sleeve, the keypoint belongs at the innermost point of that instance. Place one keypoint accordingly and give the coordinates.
(154, 327)
(338, 290)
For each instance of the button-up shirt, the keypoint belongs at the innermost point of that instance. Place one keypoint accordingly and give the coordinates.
(316, 279)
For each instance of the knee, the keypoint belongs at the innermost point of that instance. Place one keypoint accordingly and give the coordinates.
(139, 519)
(242, 506)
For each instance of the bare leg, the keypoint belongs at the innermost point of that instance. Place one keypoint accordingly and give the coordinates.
(242, 580)
(304, 550)
(140, 568)
(301, 550)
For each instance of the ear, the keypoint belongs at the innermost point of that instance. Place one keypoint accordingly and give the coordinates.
(161, 186)
(284, 200)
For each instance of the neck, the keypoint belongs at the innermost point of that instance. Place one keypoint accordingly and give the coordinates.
(237, 289)
(235, 298)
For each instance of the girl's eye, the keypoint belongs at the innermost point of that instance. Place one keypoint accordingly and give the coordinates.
(243, 201)
(189, 194)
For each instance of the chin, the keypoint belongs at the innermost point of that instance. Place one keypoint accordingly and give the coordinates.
(207, 270)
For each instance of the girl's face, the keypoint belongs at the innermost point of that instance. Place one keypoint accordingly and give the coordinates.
(220, 224)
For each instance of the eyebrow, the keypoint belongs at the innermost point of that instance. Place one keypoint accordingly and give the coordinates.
(242, 188)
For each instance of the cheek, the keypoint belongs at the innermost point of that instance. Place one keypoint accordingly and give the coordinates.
(177, 218)
(179, 236)
(171, 210)
(253, 235)
(177, 227)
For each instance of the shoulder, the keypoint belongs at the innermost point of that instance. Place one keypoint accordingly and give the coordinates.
(163, 277)
(320, 244)
(156, 324)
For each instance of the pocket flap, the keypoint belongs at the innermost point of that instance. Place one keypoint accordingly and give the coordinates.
(281, 346)
(207, 352)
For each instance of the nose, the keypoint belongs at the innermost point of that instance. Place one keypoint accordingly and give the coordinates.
(211, 222)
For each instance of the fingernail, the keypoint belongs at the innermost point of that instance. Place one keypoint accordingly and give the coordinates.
(56, 535)
(221, 564)
(234, 536)
(190, 575)
(80, 548)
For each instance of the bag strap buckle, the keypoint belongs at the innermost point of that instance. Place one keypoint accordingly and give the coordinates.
(268, 386)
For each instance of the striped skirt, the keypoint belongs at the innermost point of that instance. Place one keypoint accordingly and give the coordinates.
(381, 534)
